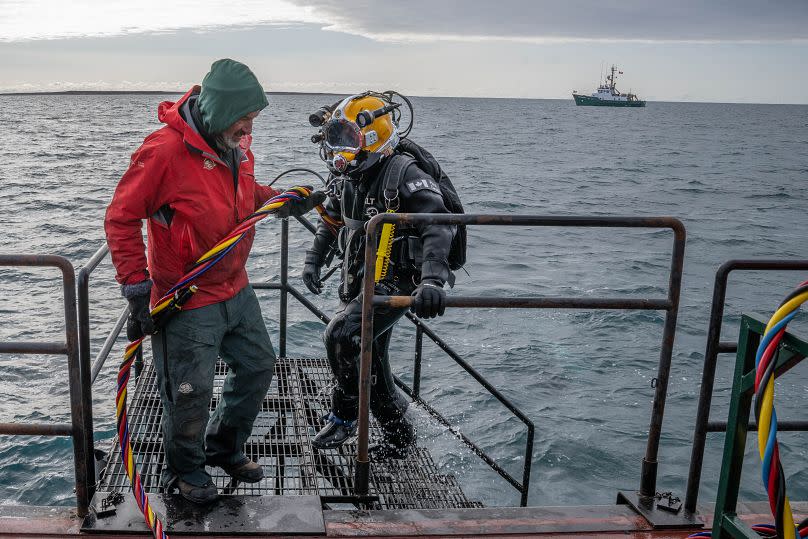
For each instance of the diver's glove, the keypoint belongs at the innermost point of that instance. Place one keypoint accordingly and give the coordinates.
(140, 322)
(430, 299)
(296, 208)
(311, 272)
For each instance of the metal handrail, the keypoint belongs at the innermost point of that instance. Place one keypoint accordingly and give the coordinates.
(78, 377)
(285, 288)
(714, 347)
(670, 305)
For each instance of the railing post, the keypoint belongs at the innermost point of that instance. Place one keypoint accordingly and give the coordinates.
(284, 285)
(706, 391)
(648, 474)
(362, 476)
(416, 370)
(78, 390)
(83, 310)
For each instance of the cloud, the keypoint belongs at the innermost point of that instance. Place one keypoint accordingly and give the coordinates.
(23, 20)
(518, 21)
(539, 21)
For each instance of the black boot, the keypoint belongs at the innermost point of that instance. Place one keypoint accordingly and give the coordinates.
(334, 434)
(398, 438)
(201, 495)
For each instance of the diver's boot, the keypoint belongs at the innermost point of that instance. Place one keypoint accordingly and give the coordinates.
(398, 439)
(334, 434)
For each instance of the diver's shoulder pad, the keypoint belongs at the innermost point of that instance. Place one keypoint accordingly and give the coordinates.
(422, 183)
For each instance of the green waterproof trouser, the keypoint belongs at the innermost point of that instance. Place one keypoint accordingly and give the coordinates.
(185, 354)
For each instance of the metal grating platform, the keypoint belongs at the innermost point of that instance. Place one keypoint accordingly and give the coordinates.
(281, 442)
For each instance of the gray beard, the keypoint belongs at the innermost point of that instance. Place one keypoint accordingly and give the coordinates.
(224, 144)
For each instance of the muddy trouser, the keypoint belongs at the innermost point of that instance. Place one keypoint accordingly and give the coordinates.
(185, 355)
(342, 339)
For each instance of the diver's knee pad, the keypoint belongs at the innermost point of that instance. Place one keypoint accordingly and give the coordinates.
(342, 343)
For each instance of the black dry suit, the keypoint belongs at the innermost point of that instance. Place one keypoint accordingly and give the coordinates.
(420, 252)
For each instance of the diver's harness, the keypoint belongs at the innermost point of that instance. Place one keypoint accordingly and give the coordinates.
(169, 304)
(402, 251)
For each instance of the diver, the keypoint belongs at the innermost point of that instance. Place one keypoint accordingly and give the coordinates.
(375, 169)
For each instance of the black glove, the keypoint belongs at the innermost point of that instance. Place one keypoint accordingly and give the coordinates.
(296, 208)
(140, 322)
(430, 299)
(311, 272)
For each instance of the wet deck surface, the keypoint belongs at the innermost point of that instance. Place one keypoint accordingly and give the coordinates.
(281, 442)
(604, 521)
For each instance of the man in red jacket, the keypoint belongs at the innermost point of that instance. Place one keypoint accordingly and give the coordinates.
(193, 181)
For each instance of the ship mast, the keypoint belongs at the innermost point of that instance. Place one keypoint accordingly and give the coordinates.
(611, 86)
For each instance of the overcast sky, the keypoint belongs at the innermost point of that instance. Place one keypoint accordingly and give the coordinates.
(685, 50)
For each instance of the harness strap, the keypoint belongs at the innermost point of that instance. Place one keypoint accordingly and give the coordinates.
(353, 224)
(393, 174)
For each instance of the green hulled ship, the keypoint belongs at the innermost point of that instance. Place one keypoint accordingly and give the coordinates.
(607, 95)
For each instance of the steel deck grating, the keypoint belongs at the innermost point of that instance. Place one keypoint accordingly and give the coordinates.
(292, 412)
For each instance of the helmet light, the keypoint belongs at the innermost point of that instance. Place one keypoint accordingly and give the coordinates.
(339, 163)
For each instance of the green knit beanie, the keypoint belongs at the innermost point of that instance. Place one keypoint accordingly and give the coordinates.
(230, 91)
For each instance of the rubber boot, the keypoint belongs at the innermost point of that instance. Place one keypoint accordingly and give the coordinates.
(335, 433)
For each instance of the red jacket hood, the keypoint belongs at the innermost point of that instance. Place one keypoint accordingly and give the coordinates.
(168, 112)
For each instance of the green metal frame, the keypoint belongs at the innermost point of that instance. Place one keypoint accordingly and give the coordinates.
(726, 522)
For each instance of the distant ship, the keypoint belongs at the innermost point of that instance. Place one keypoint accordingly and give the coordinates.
(608, 95)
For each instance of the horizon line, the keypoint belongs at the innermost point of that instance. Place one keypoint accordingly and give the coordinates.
(180, 92)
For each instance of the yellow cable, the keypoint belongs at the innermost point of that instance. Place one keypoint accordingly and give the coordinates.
(766, 410)
(220, 247)
(786, 308)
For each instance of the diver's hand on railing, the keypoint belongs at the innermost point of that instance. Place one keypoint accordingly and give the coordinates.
(429, 299)
(296, 208)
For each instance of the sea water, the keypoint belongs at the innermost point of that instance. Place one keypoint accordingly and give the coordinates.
(736, 175)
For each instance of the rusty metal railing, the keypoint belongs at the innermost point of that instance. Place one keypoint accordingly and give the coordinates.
(83, 373)
(78, 378)
(670, 305)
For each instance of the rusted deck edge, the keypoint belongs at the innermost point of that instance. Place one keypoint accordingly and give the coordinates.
(589, 521)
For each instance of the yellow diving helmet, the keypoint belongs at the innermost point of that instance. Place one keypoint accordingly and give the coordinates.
(361, 131)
